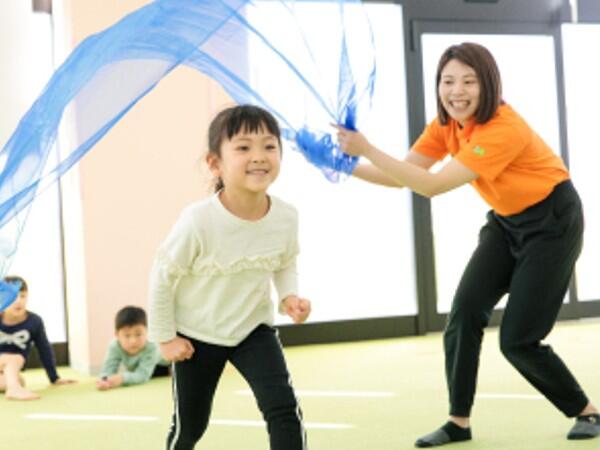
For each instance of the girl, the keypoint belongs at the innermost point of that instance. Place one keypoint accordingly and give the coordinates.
(20, 329)
(528, 246)
(210, 284)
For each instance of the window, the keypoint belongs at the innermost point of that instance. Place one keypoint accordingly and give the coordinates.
(356, 239)
(582, 98)
(27, 57)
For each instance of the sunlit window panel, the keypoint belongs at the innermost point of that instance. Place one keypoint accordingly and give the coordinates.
(26, 56)
(582, 98)
(357, 252)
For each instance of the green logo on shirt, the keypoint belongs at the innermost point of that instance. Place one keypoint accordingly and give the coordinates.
(479, 151)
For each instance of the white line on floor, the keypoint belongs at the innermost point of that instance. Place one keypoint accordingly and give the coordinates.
(120, 418)
(511, 396)
(260, 423)
(47, 416)
(362, 394)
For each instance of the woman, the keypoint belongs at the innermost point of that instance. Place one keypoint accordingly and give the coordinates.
(527, 248)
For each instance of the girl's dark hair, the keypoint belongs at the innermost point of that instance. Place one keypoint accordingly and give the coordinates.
(130, 316)
(14, 279)
(230, 121)
(483, 63)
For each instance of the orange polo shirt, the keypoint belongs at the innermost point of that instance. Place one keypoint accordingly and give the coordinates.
(516, 167)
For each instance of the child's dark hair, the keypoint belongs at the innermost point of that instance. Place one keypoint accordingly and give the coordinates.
(14, 279)
(483, 63)
(231, 121)
(130, 316)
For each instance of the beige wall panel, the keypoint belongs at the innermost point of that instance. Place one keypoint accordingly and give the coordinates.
(136, 180)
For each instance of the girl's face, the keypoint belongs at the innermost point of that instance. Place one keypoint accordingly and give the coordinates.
(249, 162)
(459, 90)
(18, 309)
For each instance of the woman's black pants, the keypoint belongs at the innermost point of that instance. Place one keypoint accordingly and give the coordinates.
(530, 256)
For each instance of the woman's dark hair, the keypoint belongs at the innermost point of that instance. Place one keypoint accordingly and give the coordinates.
(130, 316)
(230, 121)
(483, 63)
(14, 279)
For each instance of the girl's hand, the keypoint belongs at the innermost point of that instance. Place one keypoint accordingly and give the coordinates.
(297, 308)
(353, 143)
(177, 349)
(63, 381)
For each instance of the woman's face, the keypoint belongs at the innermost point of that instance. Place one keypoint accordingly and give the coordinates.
(459, 90)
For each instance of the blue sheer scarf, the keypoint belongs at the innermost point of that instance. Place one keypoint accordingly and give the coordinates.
(109, 72)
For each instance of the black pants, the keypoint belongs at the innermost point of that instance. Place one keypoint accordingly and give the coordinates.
(530, 255)
(259, 358)
(161, 371)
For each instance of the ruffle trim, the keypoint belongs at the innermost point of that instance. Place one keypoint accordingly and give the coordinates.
(267, 263)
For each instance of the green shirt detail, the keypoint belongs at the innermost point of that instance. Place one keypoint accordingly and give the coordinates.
(138, 368)
(478, 150)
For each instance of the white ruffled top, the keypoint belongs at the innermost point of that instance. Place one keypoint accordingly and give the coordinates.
(211, 278)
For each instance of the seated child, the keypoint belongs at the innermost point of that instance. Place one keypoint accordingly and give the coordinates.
(140, 358)
(19, 329)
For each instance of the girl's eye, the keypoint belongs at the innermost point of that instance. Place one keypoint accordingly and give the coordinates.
(271, 147)
(243, 148)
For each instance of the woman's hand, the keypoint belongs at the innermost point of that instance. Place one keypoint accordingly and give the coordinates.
(351, 142)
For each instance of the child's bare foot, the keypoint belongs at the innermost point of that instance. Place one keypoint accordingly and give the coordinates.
(21, 394)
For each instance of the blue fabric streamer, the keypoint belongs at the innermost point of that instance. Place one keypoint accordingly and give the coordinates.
(8, 293)
(109, 72)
